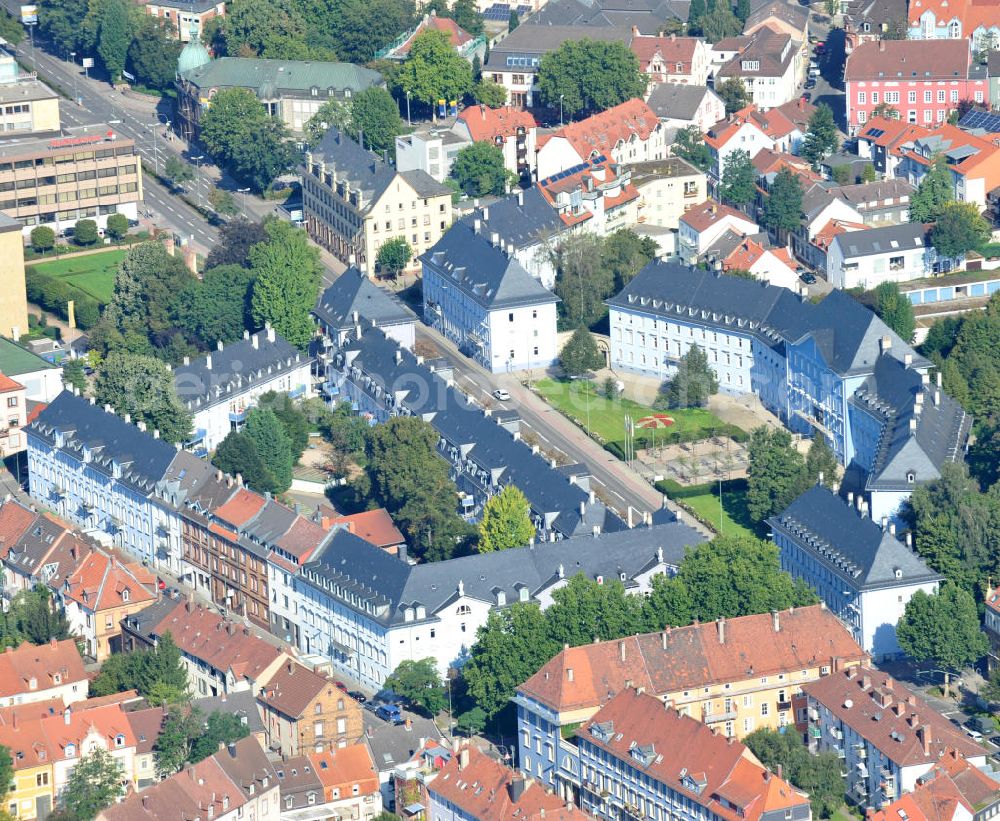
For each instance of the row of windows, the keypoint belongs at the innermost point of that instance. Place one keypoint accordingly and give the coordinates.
(79, 156)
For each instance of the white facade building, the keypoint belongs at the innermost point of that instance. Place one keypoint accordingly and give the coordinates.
(865, 259)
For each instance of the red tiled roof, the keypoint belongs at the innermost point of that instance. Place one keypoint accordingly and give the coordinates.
(693, 656)
(15, 519)
(42, 662)
(292, 689)
(834, 228)
(7, 384)
(972, 13)
(857, 694)
(600, 133)
(672, 50)
(891, 131)
(241, 507)
(952, 783)
(744, 255)
(302, 538)
(489, 123)
(724, 130)
(72, 726)
(908, 59)
(457, 36)
(346, 766)
(705, 214)
(100, 582)
(374, 526)
(736, 786)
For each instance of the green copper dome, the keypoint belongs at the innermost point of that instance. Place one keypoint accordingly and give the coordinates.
(194, 54)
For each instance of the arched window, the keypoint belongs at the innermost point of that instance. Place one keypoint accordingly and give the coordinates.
(955, 30)
(463, 610)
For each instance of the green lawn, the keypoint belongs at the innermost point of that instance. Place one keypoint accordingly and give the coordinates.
(735, 520)
(607, 416)
(94, 274)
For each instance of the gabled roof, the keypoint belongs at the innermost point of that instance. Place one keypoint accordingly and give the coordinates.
(794, 15)
(677, 101)
(486, 123)
(724, 130)
(699, 655)
(848, 545)
(907, 236)
(39, 664)
(103, 582)
(532, 40)
(8, 385)
(704, 215)
(523, 219)
(889, 132)
(484, 272)
(353, 292)
(15, 360)
(457, 36)
(292, 689)
(600, 134)
(240, 703)
(673, 50)
(908, 60)
(888, 715)
(374, 526)
(346, 765)
(772, 51)
(834, 228)
(15, 519)
(718, 773)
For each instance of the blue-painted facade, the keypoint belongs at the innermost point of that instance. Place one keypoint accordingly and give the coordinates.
(542, 752)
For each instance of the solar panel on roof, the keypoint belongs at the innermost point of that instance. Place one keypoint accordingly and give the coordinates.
(981, 119)
(876, 132)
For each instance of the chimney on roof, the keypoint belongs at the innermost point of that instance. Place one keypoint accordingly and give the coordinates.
(219, 346)
(621, 650)
(850, 498)
(255, 341)
(482, 110)
(721, 623)
(569, 674)
(156, 433)
(477, 225)
(520, 198)
(885, 523)
(881, 45)
(663, 639)
(939, 379)
(187, 360)
(67, 715)
(909, 539)
(924, 734)
(486, 213)
(463, 758)
(291, 667)
(885, 344)
(892, 528)
(866, 682)
(494, 238)
(515, 789)
(907, 359)
(775, 622)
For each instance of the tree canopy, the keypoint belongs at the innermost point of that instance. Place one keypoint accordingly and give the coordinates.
(776, 473)
(960, 228)
(935, 191)
(479, 170)
(420, 684)
(158, 674)
(689, 144)
(589, 76)
(692, 385)
(739, 178)
(216, 308)
(818, 775)
(434, 70)
(821, 138)
(783, 208)
(95, 783)
(393, 256)
(895, 310)
(580, 354)
(143, 387)
(733, 94)
(506, 521)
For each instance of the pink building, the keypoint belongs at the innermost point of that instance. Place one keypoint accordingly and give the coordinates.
(924, 84)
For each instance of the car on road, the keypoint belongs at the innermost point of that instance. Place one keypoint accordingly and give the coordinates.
(810, 83)
(807, 277)
(806, 96)
(975, 735)
(340, 686)
(502, 394)
(390, 712)
(361, 698)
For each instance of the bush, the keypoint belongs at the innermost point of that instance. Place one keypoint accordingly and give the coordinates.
(85, 232)
(43, 238)
(117, 226)
(88, 311)
(53, 294)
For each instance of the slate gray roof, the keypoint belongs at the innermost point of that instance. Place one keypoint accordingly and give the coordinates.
(766, 46)
(241, 703)
(905, 237)
(483, 271)
(530, 40)
(851, 547)
(392, 745)
(111, 440)
(144, 622)
(391, 585)
(794, 15)
(876, 193)
(647, 15)
(270, 78)
(675, 101)
(523, 219)
(366, 172)
(354, 292)
(235, 368)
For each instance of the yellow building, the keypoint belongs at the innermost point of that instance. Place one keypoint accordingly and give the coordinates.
(353, 202)
(667, 189)
(28, 106)
(13, 299)
(34, 787)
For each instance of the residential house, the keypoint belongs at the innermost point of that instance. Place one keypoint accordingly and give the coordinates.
(782, 17)
(832, 367)
(38, 113)
(672, 59)
(483, 300)
(865, 259)
(736, 675)
(304, 712)
(682, 106)
(816, 252)
(768, 64)
(31, 673)
(219, 388)
(666, 189)
(180, 17)
(15, 416)
(353, 298)
(250, 769)
(146, 726)
(935, 80)
(350, 781)
(353, 202)
(300, 790)
(993, 70)
(887, 736)
(510, 129)
(738, 132)
(637, 756)
(42, 380)
(410, 778)
(242, 704)
(290, 90)
(702, 224)
(974, 22)
(765, 263)
(869, 20)
(391, 745)
(596, 196)
(99, 593)
(647, 17)
(31, 795)
(953, 790)
(880, 138)
(878, 203)
(625, 134)
(375, 527)
(465, 44)
(858, 567)
(513, 61)
(431, 148)
(821, 205)
(473, 786)
(433, 610)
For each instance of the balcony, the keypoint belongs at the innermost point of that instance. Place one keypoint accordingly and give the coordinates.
(295, 393)
(238, 416)
(722, 715)
(784, 705)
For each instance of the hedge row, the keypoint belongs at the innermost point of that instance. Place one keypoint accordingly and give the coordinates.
(675, 437)
(674, 490)
(53, 293)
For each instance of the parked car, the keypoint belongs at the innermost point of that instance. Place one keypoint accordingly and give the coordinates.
(810, 83)
(340, 686)
(390, 712)
(807, 277)
(361, 698)
(975, 735)
(502, 394)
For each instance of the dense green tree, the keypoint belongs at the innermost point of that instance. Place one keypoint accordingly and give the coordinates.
(216, 308)
(219, 728)
(93, 784)
(935, 191)
(245, 139)
(434, 70)
(272, 446)
(584, 610)
(984, 455)
(783, 209)
(152, 54)
(479, 170)
(589, 76)
(332, 114)
(463, 12)
(689, 144)
(625, 253)
(117, 226)
(895, 310)
(489, 94)
(960, 228)
(818, 775)
(85, 232)
(359, 28)
(73, 374)
(822, 460)
(237, 454)
(143, 387)
(733, 94)
(405, 475)
(172, 748)
(293, 418)
(222, 202)
(177, 170)
(158, 674)
(472, 722)
(720, 22)
(375, 114)
(742, 10)
(696, 11)
(114, 37)
(692, 385)
(506, 521)
(739, 179)
(393, 256)
(583, 281)
(60, 23)
(868, 173)
(580, 354)
(776, 474)
(236, 238)
(821, 138)
(344, 429)
(420, 684)
(886, 111)
(510, 648)
(33, 617)
(287, 277)
(274, 29)
(43, 238)
(943, 629)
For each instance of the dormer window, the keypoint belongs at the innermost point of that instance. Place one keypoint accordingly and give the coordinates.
(70, 750)
(32, 683)
(125, 594)
(911, 477)
(57, 678)
(119, 740)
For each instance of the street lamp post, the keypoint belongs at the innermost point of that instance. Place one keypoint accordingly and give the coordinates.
(243, 191)
(561, 110)
(408, 121)
(72, 56)
(197, 161)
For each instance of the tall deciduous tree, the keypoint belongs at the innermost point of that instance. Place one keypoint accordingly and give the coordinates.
(359, 28)
(589, 76)
(393, 256)
(692, 385)
(375, 114)
(583, 281)
(739, 178)
(114, 37)
(216, 309)
(220, 728)
(152, 55)
(479, 170)
(237, 454)
(720, 22)
(733, 94)
(236, 238)
(94, 784)
(489, 94)
(584, 610)
(935, 191)
(272, 445)
(287, 271)
(942, 628)
(143, 387)
(332, 114)
(434, 70)
(821, 460)
(895, 310)
(420, 683)
(580, 354)
(697, 10)
(776, 474)
(818, 775)
(783, 210)
(172, 748)
(960, 228)
(626, 253)
(821, 138)
(265, 28)
(506, 521)
(690, 145)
